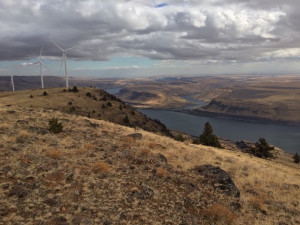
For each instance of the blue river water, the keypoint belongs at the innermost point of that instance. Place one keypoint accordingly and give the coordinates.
(283, 136)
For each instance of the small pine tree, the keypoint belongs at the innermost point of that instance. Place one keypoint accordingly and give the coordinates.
(45, 93)
(262, 149)
(296, 158)
(208, 138)
(54, 126)
(126, 120)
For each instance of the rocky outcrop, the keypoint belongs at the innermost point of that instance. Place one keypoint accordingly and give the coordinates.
(218, 178)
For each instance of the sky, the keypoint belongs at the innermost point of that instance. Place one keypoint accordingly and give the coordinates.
(136, 38)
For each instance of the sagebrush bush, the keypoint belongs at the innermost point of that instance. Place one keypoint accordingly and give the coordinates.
(296, 158)
(54, 154)
(219, 214)
(100, 167)
(161, 172)
(54, 126)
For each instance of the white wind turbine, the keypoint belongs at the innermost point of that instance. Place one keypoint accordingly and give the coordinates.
(64, 60)
(41, 63)
(12, 83)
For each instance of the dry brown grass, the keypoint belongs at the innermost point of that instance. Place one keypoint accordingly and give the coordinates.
(100, 167)
(127, 142)
(24, 134)
(145, 152)
(161, 172)
(53, 153)
(219, 214)
(256, 203)
(89, 146)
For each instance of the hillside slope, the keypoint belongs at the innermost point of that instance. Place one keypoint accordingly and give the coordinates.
(90, 102)
(94, 172)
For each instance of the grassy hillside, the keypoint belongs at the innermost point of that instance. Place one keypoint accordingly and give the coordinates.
(94, 172)
(89, 102)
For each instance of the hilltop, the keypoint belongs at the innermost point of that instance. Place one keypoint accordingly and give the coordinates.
(90, 102)
(99, 172)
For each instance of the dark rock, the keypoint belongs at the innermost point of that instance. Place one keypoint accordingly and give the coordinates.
(18, 191)
(136, 136)
(6, 169)
(69, 177)
(5, 186)
(143, 193)
(3, 212)
(60, 221)
(219, 178)
(51, 202)
(107, 222)
(243, 145)
(162, 158)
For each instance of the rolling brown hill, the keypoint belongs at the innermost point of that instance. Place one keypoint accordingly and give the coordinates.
(90, 102)
(98, 172)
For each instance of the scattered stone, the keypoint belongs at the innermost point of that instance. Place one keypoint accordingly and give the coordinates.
(219, 178)
(162, 158)
(136, 136)
(51, 202)
(144, 193)
(19, 191)
(3, 212)
(69, 177)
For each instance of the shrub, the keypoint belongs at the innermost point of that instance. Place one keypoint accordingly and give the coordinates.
(109, 103)
(74, 89)
(88, 94)
(208, 138)
(72, 109)
(218, 214)
(54, 126)
(31, 96)
(53, 154)
(133, 113)
(126, 120)
(296, 158)
(179, 137)
(161, 172)
(70, 103)
(262, 149)
(45, 93)
(100, 167)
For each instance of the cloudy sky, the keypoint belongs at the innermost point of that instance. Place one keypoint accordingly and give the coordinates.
(148, 37)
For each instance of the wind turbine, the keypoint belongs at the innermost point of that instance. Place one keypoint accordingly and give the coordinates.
(64, 60)
(12, 82)
(41, 67)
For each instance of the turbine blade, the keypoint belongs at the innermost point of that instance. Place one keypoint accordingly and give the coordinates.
(60, 48)
(70, 48)
(41, 51)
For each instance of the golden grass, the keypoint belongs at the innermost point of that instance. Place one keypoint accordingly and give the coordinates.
(145, 152)
(100, 167)
(53, 153)
(24, 134)
(219, 214)
(161, 172)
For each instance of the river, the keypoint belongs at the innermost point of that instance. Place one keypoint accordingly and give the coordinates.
(283, 136)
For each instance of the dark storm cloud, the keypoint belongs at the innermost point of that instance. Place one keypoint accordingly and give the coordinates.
(184, 30)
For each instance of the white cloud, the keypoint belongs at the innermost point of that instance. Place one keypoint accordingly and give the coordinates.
(182, 30)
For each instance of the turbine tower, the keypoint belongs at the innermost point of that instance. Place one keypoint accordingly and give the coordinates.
(64, 60)
(12, 82)
(41, 68)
